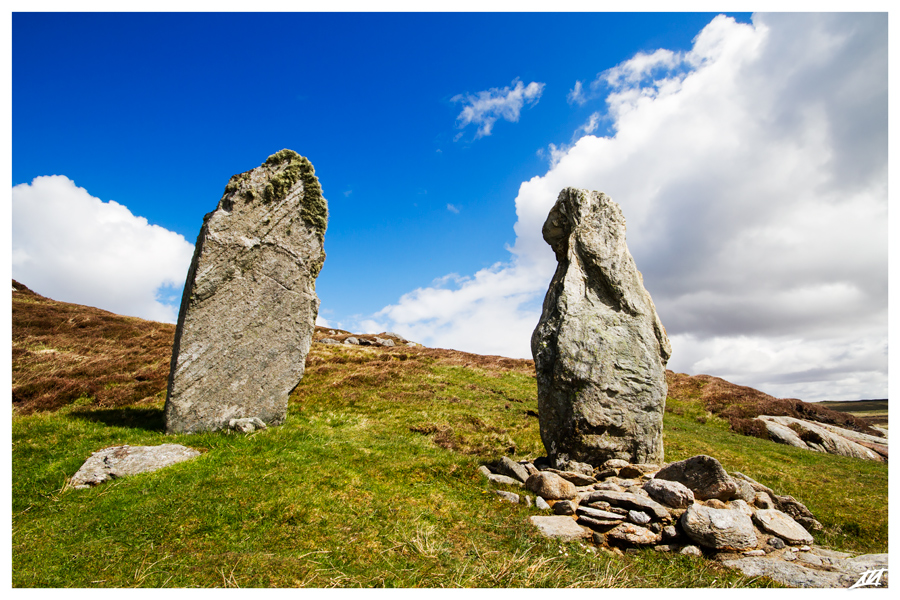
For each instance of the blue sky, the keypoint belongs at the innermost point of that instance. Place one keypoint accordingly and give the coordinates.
(157, 111)
(432, 220)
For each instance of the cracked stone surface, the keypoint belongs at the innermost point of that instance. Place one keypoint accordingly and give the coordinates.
(249, 306)
(600, 350)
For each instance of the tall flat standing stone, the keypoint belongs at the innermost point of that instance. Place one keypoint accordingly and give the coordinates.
(599, 349)
(249, 306)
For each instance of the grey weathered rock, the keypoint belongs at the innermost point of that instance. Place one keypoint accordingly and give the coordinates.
(550, 486)
(249, 306)
(352, 340)
(718, 528)
(614, 463)
(776, 542)
(541, 503)
(384, 342)
(596, 513)
(633, 534)
(578, 479)
(742, 506)
(744, 491)
(328, 341)
(563, 528)
(510, 468)
(508, 496)
(600, 350)
(691, 551)
(638, 517)
(564, 507)
(833, 440)
(636, 471)
(246, 425)
(503, 480)
(628, 501)
(670, 532)
(779, 524)
(763, 500)
(121, 461)
(798, 511)
(611, 486)
(703, 475)
(573, 466)
(816, 568)
(670, 493)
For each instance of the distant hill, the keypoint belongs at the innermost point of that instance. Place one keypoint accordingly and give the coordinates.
(874, 412)
(739, 405)
(67, 353)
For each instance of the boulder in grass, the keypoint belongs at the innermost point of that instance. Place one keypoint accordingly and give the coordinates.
(122, 461)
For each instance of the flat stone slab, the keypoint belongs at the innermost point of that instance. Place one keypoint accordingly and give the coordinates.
(559, 527)
(778, 523)
(818, 568)
(121, 461)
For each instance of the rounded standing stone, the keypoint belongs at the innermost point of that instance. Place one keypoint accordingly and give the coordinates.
(599, 348)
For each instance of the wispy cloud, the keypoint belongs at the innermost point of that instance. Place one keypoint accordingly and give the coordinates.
(453, 209)
(576, 95)
(484, 108)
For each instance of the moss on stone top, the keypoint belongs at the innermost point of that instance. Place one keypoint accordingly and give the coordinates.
(314, 209)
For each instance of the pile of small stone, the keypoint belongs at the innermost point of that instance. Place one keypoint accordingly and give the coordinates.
(382, 339)
(692, 507)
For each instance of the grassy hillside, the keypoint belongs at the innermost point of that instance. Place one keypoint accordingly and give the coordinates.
(371, 481)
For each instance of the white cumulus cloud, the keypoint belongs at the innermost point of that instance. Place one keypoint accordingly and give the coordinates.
(73, 247)
(484, 108)
(752, 172)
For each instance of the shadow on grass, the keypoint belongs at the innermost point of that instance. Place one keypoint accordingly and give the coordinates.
(151, 419)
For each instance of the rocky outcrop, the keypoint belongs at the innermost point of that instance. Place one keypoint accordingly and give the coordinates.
(823, 437)
(122, 461)
(249, 306)
(599, 349)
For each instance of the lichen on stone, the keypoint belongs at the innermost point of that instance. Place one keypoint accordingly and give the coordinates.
(314, 209)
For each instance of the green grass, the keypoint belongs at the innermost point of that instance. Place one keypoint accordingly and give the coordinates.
(371, 481)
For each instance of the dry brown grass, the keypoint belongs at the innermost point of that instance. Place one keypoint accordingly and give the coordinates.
(63, 353)
(740, 404)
